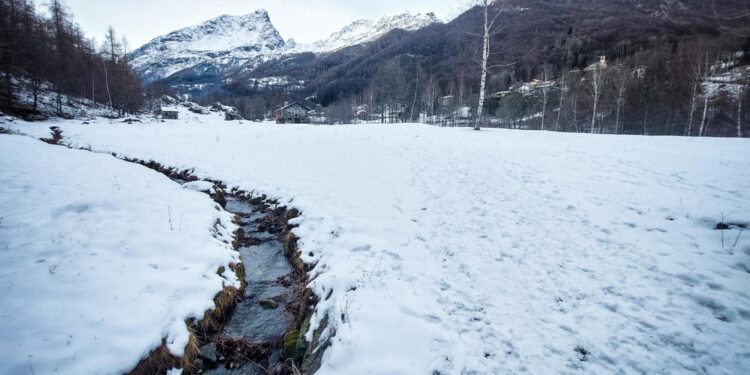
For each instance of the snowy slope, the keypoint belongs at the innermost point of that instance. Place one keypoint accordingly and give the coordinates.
(100, 259)
(363, 31)
(222, 43)
(452, 251)
(228, 42)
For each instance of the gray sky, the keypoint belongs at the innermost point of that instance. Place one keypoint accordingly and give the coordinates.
(304, 20)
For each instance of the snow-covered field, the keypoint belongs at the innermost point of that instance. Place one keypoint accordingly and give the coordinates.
(100, 260)
(452, 251)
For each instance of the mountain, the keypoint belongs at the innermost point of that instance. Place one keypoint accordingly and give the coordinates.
(382, 65)
(203, 54)
(565, 34)
(215, 46)
(363, 31)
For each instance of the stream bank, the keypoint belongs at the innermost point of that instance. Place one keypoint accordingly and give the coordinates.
(259, 328)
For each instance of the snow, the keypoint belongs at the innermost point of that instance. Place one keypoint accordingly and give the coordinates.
(228, 42)
(47, 102)
(100, 260)
(730, 82)
(202, 186)
(449, 251)
(363, 31)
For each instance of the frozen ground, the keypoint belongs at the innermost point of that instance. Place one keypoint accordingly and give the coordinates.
(99, 260)
(457, 251)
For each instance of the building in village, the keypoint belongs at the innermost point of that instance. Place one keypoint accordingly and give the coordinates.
(599, 65)
(293, 113)
(169, 113)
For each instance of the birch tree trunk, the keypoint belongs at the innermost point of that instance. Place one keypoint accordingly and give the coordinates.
(593, 117)
(485, 57)
(705, 112)
(562, 99)
(739, 113)
(596, 86)
(692, 109)
(707, 71)
(545, 88)
(544, 106)
(414, 103)
(617, 117)
(106, 84)
(741, 90)
(622, 87)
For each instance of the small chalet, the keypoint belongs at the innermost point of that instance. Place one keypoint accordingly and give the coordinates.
(601, 65)
(293, 113)
(168, 113)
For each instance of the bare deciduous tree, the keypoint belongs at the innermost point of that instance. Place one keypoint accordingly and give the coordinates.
(416, 92)
(563, 91)
(695, 76)
(461, 88)
(596, 84)
(489, 29)
(545, 90)
(742, 83)
(621, 87)
(430, 93)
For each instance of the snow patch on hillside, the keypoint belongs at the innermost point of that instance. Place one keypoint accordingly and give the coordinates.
(363, 31)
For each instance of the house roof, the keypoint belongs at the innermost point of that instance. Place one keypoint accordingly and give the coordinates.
(168, 109)
(292, 104)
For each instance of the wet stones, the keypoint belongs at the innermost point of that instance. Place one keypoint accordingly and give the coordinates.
(268, 304)
(208, 353)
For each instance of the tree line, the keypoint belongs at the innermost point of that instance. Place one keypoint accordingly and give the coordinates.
(698, 88)
(692, 87)
(660, 74)
(50, 55)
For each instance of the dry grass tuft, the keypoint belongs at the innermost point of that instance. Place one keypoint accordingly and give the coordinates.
(187, 362)
(239, 238)
(290, 245)
(239, 270)
(224, 303)
(291, 214)
(157, 362)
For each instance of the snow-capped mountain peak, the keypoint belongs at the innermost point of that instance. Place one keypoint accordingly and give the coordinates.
(223, 44)
(363, 31)
(226, 41)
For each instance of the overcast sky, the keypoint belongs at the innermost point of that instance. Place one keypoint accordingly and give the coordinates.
(304, 20)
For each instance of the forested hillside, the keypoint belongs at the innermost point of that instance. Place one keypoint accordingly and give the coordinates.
(672, 47)
(48, 54)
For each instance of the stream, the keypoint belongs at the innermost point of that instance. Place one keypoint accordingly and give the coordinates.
(251, 340)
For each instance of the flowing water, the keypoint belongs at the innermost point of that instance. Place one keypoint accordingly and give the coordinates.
(260, 319)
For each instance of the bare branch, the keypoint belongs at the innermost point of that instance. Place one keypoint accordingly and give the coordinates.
(503, 4)
(502, 65)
